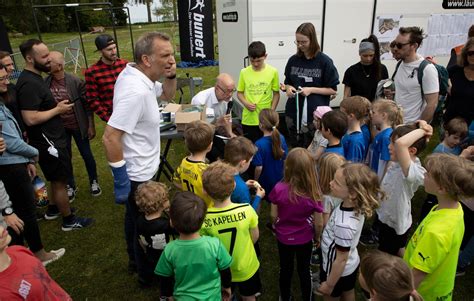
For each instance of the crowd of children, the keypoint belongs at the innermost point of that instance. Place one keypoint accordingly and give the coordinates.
(362, 162)
(362, 168)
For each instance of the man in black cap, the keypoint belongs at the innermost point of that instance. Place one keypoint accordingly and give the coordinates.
(101, 77)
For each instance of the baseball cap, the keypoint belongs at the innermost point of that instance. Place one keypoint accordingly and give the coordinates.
(321, 110)
(103, 41)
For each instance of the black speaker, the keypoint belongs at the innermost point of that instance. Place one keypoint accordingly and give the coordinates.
(4, 41)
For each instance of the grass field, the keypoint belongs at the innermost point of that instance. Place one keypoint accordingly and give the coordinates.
(95, 264)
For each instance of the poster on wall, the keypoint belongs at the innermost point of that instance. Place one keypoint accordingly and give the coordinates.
(196, 33)
(444, 32)
(386, 30)
(387, 26)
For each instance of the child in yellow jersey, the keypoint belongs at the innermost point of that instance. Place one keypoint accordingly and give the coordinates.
(236, 225)
(257, 89)
(433, 250)
(198, 136)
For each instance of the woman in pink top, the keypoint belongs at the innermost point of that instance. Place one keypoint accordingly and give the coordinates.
(296, 212)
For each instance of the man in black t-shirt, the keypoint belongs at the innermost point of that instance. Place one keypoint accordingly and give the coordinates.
(45, 130)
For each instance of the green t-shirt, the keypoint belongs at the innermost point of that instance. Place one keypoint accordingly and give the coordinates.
(258, 88)
(232, 226)
(434, 249)
(195, 266)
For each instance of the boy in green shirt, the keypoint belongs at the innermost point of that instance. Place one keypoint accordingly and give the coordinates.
(198, 265)
(433, 250)
(257, 89)
(236, 225)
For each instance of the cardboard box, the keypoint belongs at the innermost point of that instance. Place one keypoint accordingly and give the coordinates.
(182, 118)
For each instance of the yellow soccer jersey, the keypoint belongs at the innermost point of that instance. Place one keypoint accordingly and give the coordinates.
(189, 175)
(434, 249)
(232, 226)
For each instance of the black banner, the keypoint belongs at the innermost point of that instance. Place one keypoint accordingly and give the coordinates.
(458, 4)
(196, 34)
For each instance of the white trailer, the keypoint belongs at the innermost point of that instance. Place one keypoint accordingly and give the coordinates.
(340, 26)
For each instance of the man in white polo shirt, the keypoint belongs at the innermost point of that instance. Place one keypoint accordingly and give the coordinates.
(132, 135)
(408, 92)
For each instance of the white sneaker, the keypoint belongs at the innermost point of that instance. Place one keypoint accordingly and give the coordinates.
(95, 188)
(57, 254)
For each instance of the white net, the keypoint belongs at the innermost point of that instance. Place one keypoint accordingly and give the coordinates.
(73, 57)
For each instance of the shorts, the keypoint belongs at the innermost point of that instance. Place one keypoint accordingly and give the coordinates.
(389, 241)
(249, 287)
(344, 284)
(55, 169)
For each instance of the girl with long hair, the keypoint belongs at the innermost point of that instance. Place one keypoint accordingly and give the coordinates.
(296, 213)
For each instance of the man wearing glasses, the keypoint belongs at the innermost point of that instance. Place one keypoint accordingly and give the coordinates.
(218, 96)
(417, 102)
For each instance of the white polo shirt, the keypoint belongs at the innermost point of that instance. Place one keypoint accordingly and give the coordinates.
(135, 111)
(208, 97)
(408, 90)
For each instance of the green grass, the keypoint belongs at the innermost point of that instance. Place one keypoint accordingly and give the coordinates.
(95, 264)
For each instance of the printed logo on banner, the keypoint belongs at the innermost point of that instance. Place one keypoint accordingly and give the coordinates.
(196, 33)
(196, 20)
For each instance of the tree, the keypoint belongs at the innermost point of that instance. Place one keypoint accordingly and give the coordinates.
(167, 11)
(148, 7)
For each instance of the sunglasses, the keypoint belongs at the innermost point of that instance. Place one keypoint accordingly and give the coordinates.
(470, 53)
(399, 45)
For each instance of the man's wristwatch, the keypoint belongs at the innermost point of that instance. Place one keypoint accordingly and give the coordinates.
(7, 211)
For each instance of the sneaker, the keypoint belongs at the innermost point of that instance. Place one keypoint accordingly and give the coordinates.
(54, 213)
(460, 271)
(71, 193)
(77, 224)
(57, 254)
(368, 240)
(95, 188)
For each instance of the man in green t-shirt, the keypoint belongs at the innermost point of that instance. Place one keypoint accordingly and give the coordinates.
(196, 277)
(236, 225)
(257, 89)
(433, 250)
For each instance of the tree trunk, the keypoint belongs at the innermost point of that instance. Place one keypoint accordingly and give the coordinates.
(175, 13)
(148, 10)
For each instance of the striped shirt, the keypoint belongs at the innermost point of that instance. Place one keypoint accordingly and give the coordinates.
(342, 232)
(100, 82)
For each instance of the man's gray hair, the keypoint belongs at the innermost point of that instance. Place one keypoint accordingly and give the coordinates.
(144, 45)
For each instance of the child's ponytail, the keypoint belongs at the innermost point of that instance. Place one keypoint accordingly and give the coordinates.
(269, 120)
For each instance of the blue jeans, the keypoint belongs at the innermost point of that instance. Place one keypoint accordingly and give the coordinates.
(84, 148)
(134, 250)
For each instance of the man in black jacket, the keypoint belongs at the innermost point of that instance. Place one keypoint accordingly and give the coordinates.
(78, 123)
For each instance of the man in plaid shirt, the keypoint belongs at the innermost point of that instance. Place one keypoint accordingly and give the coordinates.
(101, 77)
